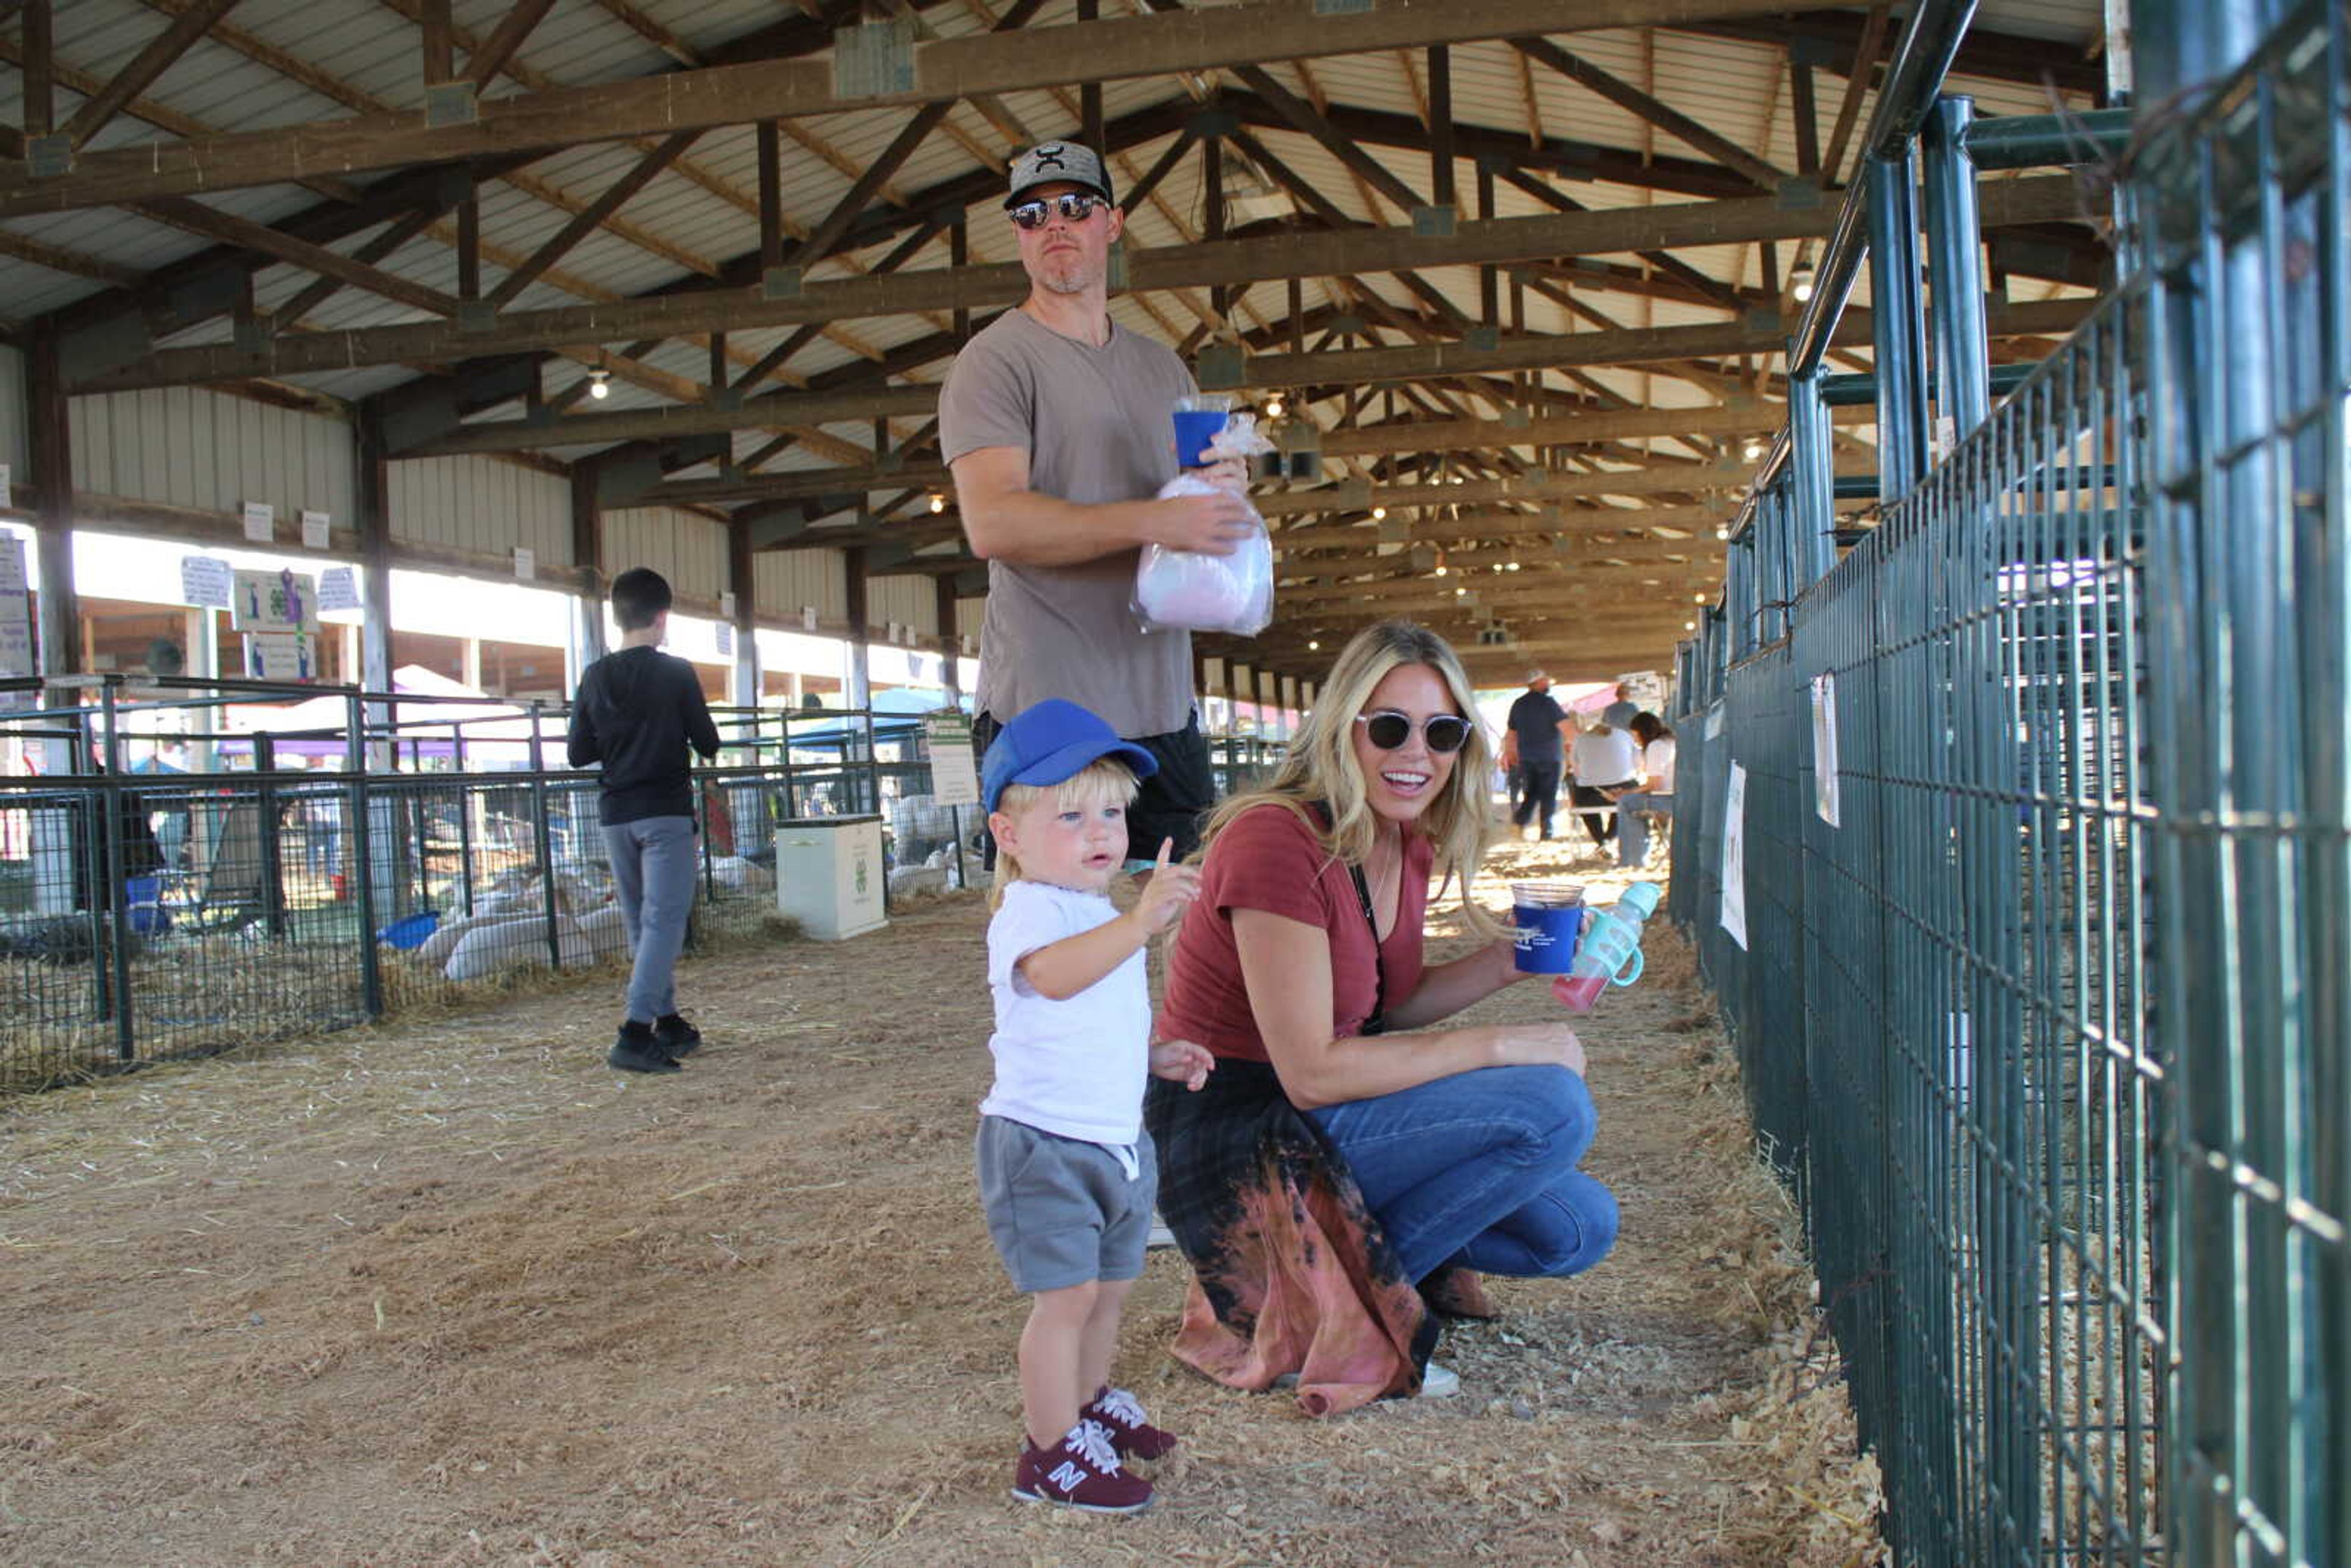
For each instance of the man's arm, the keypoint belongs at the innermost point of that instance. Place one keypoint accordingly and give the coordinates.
(1006, 521)
(580, 742)
(700, 732)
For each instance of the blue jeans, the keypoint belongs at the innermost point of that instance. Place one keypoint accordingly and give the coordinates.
(653, 865)
(1479, 1170)
(1633, 829)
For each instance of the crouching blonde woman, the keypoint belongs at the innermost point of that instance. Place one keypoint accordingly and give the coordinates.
(1349, 1169)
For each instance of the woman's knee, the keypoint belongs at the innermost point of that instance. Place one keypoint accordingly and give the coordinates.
(1584, 1225)
(1553, 1109)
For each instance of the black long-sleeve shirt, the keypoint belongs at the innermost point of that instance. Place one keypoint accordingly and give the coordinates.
(636, 712)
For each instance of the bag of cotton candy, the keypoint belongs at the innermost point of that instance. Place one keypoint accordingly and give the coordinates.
(1189, 590)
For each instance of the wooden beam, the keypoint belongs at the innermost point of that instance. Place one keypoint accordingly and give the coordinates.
(1246, 261)
(615, 196)
(483, 65)
(143, 67)
(210, 223)
(728, 94)
(1633, 346)
(39, 57)
(1656, 112)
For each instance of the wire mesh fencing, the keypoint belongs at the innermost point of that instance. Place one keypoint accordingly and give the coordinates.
(188, 866)
(2020, 864)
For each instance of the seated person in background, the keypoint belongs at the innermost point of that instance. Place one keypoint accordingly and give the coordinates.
(1655, 793)
(1606, 763)
(1336, 1183)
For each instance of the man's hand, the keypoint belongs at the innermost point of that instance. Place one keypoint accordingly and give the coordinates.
(1211, 525)
(1170, 890)
(1181, 1062)
(1228, 473)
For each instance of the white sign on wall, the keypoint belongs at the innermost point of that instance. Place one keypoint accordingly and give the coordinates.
(17, 656)
(1824, 748)
(725, 632)
(807, 617)
(260, 522)
(526, 564)
(7, 496)
(1734, 857)
(283, 600)
(206, 581)
(339, 589)
(281, 656)
(318, 532)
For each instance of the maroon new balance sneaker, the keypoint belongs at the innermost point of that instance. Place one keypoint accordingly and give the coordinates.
(1081, 1471)
(1131, 1432)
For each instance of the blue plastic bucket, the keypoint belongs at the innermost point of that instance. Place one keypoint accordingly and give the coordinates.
(411, 930)
(143, 897)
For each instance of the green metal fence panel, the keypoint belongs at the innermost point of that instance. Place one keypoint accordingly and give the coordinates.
(2241, 222)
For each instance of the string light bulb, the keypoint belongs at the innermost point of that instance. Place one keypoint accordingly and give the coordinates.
(600, 384)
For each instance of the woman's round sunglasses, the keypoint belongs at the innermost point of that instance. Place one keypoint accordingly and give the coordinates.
(1388, 729)
(1075, 205)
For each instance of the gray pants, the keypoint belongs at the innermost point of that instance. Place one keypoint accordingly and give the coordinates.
(653, 863)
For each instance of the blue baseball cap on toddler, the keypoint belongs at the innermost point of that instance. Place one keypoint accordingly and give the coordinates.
(1052, 741)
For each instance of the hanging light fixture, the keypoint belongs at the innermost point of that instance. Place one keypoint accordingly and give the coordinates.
(1379, 514)
(600, 384)
(1753, 449)
(938, 503)
(1800, 281)
(1273, 406)
(1313, 645)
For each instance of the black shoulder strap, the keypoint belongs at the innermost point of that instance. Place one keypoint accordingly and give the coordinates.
(1377, 1022)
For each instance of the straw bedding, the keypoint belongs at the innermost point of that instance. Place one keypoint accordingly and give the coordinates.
(448, 1291)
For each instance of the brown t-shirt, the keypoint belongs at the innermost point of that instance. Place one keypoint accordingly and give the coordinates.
(1097, 426)
(1267, 859)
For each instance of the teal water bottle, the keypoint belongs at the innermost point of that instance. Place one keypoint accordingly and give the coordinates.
(1610, 952)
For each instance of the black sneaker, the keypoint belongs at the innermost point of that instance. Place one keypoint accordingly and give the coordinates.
(677, 1036)
(638, 1049)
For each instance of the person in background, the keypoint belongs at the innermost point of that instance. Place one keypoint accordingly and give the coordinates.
(1057, 425)
(637, 713)
(1067, 1175)
(1606, 763)
(1534, 748)
(1655, 793)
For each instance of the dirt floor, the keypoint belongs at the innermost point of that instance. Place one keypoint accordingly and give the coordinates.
(451, 1292)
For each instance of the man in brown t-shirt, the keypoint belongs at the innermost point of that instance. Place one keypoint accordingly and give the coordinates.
(1056, 422)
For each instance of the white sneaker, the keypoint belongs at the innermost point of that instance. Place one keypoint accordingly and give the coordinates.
(1439, 1381)
(1530, 835)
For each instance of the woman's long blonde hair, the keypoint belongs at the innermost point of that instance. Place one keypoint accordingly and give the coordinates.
(1320, 765)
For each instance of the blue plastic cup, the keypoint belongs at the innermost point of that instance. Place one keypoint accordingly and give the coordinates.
(1199, 419)
(1549, 917)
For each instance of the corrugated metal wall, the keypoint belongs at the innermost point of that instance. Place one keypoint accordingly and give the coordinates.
(908, 600)
(483, 505)
(14, 449)
(685, 548)
(786, 580)
(194, 448)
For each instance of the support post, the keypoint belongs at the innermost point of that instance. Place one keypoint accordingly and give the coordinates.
(1900, 331)
(1955, 276)
(861, 683)
(586, 643)
(50, 447)
(1811, 480)
(743, 679)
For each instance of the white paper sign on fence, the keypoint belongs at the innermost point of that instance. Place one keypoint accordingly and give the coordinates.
(725, 632)
(204, 581)
(260, 522)
(281, 601)
(955, 774)
(1824, 748)
(1734, 857)
(339, 589)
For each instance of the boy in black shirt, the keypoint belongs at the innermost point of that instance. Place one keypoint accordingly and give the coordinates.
(637, 712)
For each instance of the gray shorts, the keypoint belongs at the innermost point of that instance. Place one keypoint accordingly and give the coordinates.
(1062, 1210)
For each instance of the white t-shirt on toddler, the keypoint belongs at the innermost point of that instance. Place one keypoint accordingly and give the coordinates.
(1077, 1067)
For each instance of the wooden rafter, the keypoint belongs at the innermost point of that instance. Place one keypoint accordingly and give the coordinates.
(142, 69)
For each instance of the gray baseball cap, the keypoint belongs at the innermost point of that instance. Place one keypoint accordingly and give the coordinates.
(1057, 162)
